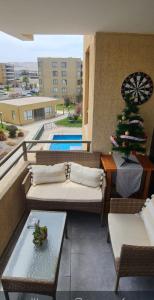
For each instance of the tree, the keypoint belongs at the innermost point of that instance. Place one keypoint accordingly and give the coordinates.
(7, 87)
(67, 101)
(79, 98)
(78, 109)
(25, 80)
(129, 136)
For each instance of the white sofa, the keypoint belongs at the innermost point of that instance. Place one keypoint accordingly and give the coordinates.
(67, 195)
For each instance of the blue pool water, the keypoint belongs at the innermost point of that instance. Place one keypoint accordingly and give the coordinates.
(67, 146)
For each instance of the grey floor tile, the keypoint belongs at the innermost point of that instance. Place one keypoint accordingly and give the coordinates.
(92, 273)
(63, 284)
(65, 263)
(90, 244)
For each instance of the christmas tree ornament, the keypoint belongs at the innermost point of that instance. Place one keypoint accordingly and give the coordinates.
(126, 132)
(113, 141)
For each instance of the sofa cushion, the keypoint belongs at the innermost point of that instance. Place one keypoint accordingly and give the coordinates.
(147, 215)
(65, 191)
(91, 177)
(126, 229)
(46, 174)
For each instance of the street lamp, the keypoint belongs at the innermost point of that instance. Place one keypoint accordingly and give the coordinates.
(1, 118)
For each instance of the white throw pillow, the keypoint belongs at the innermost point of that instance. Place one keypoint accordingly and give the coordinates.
(86, 176)
(46, 174)
(147, 215)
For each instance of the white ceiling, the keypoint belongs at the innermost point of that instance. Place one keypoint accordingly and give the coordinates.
(23, 18)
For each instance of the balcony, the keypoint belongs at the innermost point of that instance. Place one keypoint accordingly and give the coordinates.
(87, 266)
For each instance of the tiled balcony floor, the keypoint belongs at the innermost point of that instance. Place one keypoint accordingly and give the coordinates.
(87, 262)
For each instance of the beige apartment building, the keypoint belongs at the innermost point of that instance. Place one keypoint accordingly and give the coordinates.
(22, 111)
(7, 74)
(60, 77)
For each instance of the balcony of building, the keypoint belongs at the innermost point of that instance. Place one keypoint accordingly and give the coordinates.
(118, 42)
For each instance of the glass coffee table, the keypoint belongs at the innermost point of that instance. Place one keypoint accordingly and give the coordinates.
(34, 269)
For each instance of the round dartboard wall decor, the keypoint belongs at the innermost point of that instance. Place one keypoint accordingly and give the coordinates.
(137, 86)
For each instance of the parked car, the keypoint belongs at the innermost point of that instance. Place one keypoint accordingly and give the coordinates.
(3, 93)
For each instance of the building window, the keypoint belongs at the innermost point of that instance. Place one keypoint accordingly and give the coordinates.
(64, 82)
(78, 64)
(78, 74)
(47, 110)
(54, 73)
(28, 114)
(54, 64)
(63, 73)
(78, 90)
(78, 82)
(55, 90)
(55, 81)
(64, 90)
(13, 114)
(63, 64)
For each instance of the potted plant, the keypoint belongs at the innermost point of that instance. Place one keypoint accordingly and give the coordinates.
(2, 135)
(40, 234)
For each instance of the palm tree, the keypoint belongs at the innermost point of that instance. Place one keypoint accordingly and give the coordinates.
(25, 80)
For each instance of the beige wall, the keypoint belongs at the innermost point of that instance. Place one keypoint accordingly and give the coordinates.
(12, 203)
(46, 79)
(115, 56)
(88, 85)
(19, 111)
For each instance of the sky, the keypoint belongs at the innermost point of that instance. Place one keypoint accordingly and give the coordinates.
(15, 50)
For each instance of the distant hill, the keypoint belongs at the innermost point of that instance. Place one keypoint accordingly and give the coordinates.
(28, 66)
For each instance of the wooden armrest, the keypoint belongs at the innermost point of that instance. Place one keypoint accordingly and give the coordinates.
(26, 183)
(126, 205)
(136, 260)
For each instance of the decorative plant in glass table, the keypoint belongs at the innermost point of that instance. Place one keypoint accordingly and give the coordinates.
(40, 234)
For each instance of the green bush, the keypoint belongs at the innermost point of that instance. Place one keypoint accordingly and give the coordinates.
(12, 129)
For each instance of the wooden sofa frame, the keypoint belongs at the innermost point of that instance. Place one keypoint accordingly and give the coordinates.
(134, 260)
(52, 157)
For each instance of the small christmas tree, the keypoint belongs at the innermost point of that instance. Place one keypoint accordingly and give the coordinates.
(129, 137)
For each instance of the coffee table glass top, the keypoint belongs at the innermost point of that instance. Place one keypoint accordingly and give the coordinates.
(37, 263)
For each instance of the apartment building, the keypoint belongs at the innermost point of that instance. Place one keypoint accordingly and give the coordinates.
(60, 77)
(7, 74)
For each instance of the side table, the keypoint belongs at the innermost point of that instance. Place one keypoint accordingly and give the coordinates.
(109, 167)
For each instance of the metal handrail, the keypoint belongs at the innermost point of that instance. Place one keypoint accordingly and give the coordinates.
(3, 160)
(26, 150)
(55, 142)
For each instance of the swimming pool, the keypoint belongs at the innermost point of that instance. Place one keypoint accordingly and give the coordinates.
(67, 146)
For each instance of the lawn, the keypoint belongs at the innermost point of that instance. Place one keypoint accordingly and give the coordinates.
(60, 107)
(66, 123)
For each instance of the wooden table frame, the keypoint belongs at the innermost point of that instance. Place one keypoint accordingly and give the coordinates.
(109, 167)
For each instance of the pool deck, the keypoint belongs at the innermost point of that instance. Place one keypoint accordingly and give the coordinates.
(60, 130)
